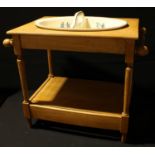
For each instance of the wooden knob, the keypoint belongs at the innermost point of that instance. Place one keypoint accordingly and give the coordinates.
(141, 48)
(7, 42)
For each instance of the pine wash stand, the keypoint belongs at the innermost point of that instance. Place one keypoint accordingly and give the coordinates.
(80, 102)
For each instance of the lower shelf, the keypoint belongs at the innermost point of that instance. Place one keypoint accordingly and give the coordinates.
(77, 101)
(81, 94)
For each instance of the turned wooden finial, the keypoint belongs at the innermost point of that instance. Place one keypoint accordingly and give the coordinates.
(142, 49)
(8, 42)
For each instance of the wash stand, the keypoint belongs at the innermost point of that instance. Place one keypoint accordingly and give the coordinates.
(90, 103)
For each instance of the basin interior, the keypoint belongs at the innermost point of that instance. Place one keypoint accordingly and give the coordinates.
(95, 23)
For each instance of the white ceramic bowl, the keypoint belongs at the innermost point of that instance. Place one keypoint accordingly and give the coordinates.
(95, 23)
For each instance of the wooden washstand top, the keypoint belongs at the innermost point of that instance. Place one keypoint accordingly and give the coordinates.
(129, 32)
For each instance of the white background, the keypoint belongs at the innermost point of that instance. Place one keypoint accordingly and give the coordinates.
(78, 3)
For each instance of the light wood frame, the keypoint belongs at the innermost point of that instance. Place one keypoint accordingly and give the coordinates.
(115, 45)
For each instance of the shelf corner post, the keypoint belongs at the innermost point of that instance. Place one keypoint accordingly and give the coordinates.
(49, 59)
(22, 74)
(129, 60)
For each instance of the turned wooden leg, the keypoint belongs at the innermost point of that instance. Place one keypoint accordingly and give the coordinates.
(22, 74)
(127, 89)
(127, 98)
(16, 43)
(21, 69)
(49, 58)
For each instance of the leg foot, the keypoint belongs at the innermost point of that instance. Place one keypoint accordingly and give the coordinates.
(29, 122)
(123, 138)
